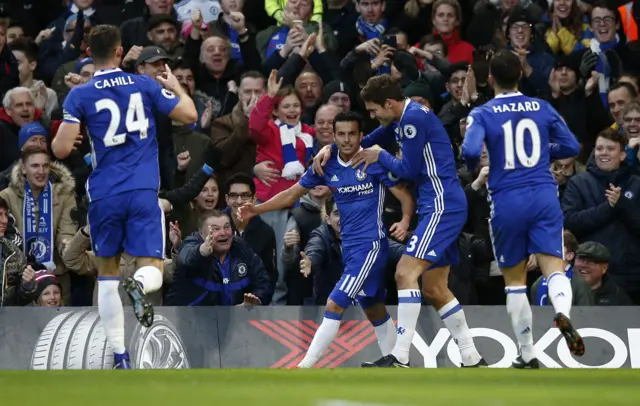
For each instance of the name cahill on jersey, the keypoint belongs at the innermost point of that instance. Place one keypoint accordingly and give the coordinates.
(516, 107)
(112, 82)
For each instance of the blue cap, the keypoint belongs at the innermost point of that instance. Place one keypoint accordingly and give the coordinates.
(29, 130)
(82, 63)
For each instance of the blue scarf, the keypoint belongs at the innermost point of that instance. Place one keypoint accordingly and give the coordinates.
(234, 39)
(542, 298)
(371, 31)
(38, 233)
(603, 67)
(277, 40)
(288, 138)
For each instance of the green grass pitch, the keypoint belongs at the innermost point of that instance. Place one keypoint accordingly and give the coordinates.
(339, 387)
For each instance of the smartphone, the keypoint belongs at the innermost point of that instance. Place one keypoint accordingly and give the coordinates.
(390, 40)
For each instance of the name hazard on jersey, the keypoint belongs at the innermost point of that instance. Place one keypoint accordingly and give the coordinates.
(516, 107)
(117, 81)
(363, 189)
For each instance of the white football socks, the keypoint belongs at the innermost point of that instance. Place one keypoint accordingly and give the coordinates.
(409, 303)
(560, 292)
(386, 334)
(521, 320)
(325, 334)
(149, 278)
(454, 320)
(111, 312)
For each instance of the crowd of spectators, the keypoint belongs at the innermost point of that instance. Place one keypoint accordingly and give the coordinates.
(581, 56)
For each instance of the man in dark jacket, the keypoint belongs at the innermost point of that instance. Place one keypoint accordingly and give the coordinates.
(257, 234)
(601, 205)
(134, 31)
(592, 262)
(216, 269)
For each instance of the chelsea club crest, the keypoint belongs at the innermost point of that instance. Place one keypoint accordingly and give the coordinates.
(242, 270)
(360, 175)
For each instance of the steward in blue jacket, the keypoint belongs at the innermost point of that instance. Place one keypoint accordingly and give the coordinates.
(216, 269)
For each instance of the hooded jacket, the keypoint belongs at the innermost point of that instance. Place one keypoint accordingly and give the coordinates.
(588, 215)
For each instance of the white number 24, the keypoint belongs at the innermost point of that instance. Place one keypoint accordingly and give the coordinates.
(135, 121)
(517, 144)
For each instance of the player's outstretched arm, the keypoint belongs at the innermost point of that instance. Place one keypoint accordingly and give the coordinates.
(563, 142)
(185, 111)
(473, 139)
(66, 140)
(380, 136)
(282, 200)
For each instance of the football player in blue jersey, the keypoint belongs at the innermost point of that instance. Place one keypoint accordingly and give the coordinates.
(359, 197)
(124, 210)
(428, 161)
(522, 135)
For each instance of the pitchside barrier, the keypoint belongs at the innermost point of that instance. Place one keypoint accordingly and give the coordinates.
(278, 337)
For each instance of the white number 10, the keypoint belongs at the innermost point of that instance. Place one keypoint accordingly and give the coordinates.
(528, 161)
(135, 121)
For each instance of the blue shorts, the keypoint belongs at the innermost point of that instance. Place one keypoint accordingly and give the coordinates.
(436, 238)
(526, 221)
(364, 275)
(132, 222)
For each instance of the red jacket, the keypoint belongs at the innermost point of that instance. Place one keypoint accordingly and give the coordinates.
(457, 49)
(264, 132)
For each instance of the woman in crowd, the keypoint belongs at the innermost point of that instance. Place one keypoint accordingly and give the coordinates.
(446, 18)
(568, 31)
(280, 136)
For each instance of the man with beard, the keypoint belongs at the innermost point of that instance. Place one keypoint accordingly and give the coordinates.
(601, 206)
(217, 269)
(134, 31)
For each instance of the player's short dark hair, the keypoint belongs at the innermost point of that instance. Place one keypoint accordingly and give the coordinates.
(328, 204)
(457, 67)
(431, 39)
(31, 151)
(204, 216)
(619, 85)
(570, 241)
(253, 74)
(613, 135)
(347, 116)
(4, 205)
(381, 88)
(103, 41)
(241, 179)
(27, 46)
(505, 68)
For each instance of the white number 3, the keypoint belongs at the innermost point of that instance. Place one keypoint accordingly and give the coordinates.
(412, 244)
(135, 121)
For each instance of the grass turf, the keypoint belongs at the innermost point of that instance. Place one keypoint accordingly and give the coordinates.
(486, 387)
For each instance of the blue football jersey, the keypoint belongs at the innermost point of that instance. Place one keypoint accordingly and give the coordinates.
(117, 109)
(522, 135)
(359, 197)
(427, 158)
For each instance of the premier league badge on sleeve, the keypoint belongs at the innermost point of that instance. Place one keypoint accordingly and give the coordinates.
(409, 131)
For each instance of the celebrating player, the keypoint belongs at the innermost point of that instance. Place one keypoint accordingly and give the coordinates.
(525, 217)
(124, 212)
(427, 159)
(360, 199)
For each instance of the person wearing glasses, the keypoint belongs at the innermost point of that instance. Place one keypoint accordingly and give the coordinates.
(257, 234)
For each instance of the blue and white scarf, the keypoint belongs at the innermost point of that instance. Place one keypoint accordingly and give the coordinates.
(288, 137)
(603, 67)
(371, 31)
(277, 41)
(542, 298)
(38, 232)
